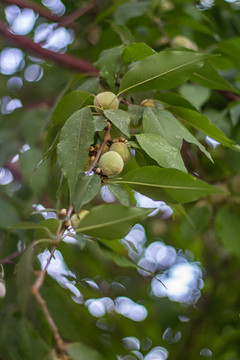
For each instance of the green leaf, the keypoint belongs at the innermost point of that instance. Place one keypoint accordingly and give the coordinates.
(75, 138)
(162, 71)
(79, 351)
(158, 121)
(159, 149)
(111, 222)
(197, 95)
(202, 123)
(137, 52)
(25, 273)
(127, 11)
(100, 122)
(170, 98)
(209, 77)
(48, 228)
(8, 214)
(170, 185)
(109, 64)
(120, 193)
(36, 177)
(27, 225)
(69, 104)
(197, 219)
(124, 33)
(135, 112)
(120, 119)
(87, 188)
(228, 229)
(116, 253)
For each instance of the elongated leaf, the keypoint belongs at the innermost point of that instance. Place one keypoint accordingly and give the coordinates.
(79, 351)
(168, 185)
(137, 52)
(158, 121)
(49, 229)
(86, 189)
(202, 123)
(111, 222)
(209, 77)
(159, 149)
(120, 193)
(27, 225)
(75, 139)
(170, 98)
(69, 104)
(120, 119)
(228, 228)
(162, 71)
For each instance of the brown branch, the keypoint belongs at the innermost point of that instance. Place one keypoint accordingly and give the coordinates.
(106, 138)
(229, 95)
(8, 258)
(69, 19)
(68, 61)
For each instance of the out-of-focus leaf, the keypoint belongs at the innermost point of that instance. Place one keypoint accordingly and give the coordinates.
(162, 71)
(79, 351)
(120, 119)
(127, 11)
(197, 95)
(8, 214)
(228, 228)
(124, 33)
(111, 221)
(75, 139)
(170, 185)
(196, 220)
(87, 188)
(47, 228)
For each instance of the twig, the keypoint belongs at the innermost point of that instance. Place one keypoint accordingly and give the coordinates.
(69, 19)
(229, 95)
(8, 258)
(106, 138)
(68, 61)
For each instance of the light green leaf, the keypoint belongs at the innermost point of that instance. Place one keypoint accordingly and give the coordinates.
(69, 104)
(28, 225)
(48, 228)
(159, 149)
(197, 95)
(120, 193)
(158, 121)
(100, 122)
(120, 119)
(209, 77)
(124, 33)
(202, 123)
(79, 351)
(170, 185)
(135, 112)
(162, 71)
(127, 11)
(111, 222)
(8, 214)
(137, 52)
(228, 229)
(87, 188)
(75, 138)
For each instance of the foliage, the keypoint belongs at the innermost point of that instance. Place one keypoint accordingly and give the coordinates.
(116, 286)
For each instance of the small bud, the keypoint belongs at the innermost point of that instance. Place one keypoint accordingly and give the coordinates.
(63, 212)
(92, 158)
(98, 170)
(148, 103)
(67, 224)
(97, 146)
(91, 148)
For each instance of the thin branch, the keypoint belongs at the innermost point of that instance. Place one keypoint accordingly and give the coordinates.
(8, 258)
(68, 61)
(106, 138)
(229, 95)
(67, 20)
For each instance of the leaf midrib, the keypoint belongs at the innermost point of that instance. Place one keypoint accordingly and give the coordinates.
(163, 186)
(162, 74)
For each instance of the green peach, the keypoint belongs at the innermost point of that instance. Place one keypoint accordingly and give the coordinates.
(105, 101)
(122, 149)
(111, 163)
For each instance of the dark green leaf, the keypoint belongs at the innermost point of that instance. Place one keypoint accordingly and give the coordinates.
(127, 11)
(111, 221)
(162, 71)
(100, 122)
(120, 193)
(8, 214)
(168, 185)
(79, 351)
(120, 119)
(137, 52)
(69, 104)
(87, 188)
(75, 139)
(159, 149)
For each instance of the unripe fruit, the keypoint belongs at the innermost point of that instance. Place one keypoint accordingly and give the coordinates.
(148, 102)
(184, 42)
(105, 149)
(2, 289)
(122, 149)
(77, 219)
(106, 101)
(111, 163)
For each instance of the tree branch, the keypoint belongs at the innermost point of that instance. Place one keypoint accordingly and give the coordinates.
(67, 20)
(68, 61)
(8, 258)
